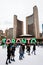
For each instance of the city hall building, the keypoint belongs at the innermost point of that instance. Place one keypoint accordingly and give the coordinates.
(17, 27)
(32, 23)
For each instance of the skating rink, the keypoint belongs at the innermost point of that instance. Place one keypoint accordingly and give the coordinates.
(27, 60)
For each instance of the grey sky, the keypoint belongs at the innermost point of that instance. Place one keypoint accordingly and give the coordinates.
(21, 8)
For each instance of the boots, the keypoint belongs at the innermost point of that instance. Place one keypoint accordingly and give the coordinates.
(13, 59)
(6, 63)
(9, 61)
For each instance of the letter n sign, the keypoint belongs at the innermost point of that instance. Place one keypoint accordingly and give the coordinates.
(33, 41)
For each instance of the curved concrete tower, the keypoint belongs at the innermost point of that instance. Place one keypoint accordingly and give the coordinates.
(32, 23)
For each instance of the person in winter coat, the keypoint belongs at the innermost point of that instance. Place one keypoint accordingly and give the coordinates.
(13, 52)
(28, 49)
(20, 52)
(8, 53)
(23, 48)
(34, 49)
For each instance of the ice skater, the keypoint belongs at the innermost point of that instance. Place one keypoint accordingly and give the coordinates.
(13, 52)
(34, 49)
(20, 53)
(8, 53)
(28, 49)
(23, 48)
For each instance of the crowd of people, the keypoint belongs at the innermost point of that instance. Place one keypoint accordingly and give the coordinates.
(11, 48)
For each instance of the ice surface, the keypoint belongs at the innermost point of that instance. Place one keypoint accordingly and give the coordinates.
(27, 60)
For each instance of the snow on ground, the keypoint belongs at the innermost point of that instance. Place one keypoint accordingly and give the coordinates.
(27, 60)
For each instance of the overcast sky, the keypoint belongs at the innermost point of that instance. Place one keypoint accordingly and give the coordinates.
(21, 8)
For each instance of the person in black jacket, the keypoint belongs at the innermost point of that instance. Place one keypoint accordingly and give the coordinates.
(34, 48)
(13, 52)
(28, 49)
(20, 53)
(23, 48)
(8, 53)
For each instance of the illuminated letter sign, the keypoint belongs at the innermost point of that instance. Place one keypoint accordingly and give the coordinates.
(23, 40)
(18, 40)
(33, 40)
(28, 39)
(13, 41)
(3, 41)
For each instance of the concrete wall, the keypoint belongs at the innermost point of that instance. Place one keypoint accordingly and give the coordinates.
(36, 21)
(17, 27)
(32, 23)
